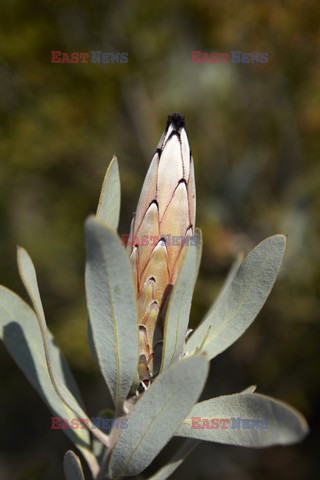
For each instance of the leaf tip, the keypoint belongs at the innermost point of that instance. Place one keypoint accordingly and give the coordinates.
(91, 222)
(21, 252)
(282, 238)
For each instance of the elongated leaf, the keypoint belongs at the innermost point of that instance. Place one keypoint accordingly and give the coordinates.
(184, 451)
(231, 274)
(21, 334)
(242, 300)
(29, 279)
(72, 466)
(177, 316)
(157, 415)
(198, 233)
(250, 420)
(108, 210)
(250, 389)
(230, 277)
(112, 308)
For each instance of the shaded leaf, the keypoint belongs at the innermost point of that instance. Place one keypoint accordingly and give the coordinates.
(251, 420)
(242, 299)
(108, 210)
(72, 467)
(29, 279)
(112, 308)
(178, 312)
(157, 415)
(21, 334)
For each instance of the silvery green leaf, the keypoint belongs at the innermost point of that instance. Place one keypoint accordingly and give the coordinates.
(241, 301)
(29, 279)
(108, 210)
(177, 316)
(21, 334)
(157, 415)
(112, 308)
(250, 389)
(252, 420)
(230, 277)
(91, 342)
(182, 453)
(198, 234)
(72, 467)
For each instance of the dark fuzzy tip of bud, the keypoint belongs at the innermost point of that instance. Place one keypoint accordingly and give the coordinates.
(176, 120)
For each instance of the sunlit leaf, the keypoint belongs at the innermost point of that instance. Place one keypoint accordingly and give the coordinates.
(229, 279)
(112, 308)
(250, 389)
(248, 419)
(108, 210)
(177, 316)
(157, 415)
(242, 299)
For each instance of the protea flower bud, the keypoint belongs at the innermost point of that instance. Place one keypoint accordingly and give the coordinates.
(164, 218)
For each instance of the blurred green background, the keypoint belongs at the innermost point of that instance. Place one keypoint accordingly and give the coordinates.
(254, 131)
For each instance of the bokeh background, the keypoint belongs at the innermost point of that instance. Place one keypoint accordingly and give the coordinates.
(254, 131)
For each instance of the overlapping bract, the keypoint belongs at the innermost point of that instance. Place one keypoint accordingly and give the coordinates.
(165, 216)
